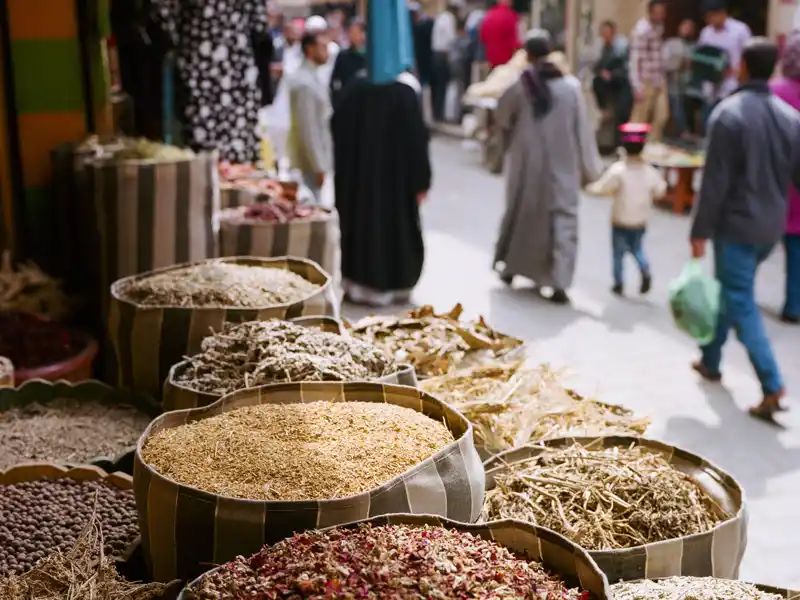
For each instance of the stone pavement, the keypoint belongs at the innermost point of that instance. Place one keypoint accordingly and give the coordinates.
(627, 350)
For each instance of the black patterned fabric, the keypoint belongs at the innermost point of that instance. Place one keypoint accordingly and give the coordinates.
(217, 74)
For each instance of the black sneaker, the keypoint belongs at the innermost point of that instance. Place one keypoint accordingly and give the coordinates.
(559, 297)
(507, 279)
(617, 290)
(647, 283)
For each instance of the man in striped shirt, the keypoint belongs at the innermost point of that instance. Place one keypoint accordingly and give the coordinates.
(647, 73)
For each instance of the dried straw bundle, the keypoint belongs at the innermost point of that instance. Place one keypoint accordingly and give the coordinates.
(603, 499)
(510, 404)
(82, 573)
(29, 289)
(690, 588)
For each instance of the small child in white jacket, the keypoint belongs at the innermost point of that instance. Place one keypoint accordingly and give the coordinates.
(634, 186)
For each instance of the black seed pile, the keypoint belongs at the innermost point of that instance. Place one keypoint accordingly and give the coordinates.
(39, 517)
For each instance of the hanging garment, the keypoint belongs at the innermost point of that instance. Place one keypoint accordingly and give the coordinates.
(216, 73)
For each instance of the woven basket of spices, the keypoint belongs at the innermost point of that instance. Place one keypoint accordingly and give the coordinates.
(159, 318)
(642, 508)
(261, 464)
(83, 423)
(680, 588)
(46, 507)
(256, 353)
(6, 373)
(412, 556)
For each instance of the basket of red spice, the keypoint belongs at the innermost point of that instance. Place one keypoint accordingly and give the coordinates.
(43, 349)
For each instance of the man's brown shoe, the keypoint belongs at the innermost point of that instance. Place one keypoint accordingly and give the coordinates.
(770, 405)
(703, 371)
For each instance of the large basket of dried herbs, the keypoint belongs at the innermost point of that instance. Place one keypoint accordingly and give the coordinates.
(409, 557)
(262, 464)
(256, 353)
(434, 343)
(6, 373)
(641, 508)
(83, 423)
(159, 318)
(700, 588)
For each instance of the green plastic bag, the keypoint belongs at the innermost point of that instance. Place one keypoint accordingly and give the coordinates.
(694, 301)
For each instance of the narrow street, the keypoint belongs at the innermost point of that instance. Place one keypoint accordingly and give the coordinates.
(628, 351)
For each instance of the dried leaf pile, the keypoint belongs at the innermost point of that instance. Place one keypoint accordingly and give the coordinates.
(435, 344)
(603, 499)
(393, 561)
(296, 451)
(83, 572)
(29, 289)
(511, 404)
(261, 352)
(221, 284)
(690, 588)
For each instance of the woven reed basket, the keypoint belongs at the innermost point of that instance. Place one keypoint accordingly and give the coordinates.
(715, 553)
(186, 531)
(560, 556)
(149, 340)
(178, 396)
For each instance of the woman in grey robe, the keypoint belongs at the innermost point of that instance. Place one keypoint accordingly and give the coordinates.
(552, 151)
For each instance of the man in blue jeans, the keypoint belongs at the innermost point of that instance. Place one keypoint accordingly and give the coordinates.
(753, 154)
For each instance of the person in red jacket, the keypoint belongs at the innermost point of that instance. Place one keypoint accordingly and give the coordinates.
(500, 33)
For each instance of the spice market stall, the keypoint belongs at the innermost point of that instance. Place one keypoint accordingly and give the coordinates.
(641, 508)
(262, 464)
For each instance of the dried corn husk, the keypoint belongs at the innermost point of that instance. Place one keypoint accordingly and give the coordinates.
(30, 289)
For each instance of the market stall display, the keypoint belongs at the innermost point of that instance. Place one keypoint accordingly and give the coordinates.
(243, 185)
(435, 343)
(6, 373)
(405, 557)
(264, 463)
(44, 509)
(511, 404)
(84, 423)
(623, 496)
(256, 353)
(680, 197)
(699, 588)
(161, 317)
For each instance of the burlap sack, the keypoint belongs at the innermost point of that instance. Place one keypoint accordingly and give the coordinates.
(42, 392)
(559, 556)
(715, 553)
(178, 396)
(148, 341)
(6, 373)
(317, 239)
(185, 531)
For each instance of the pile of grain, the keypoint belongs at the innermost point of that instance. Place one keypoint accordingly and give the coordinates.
(221, 284)
(603, 499)
(690, 588)
(296, 451)
(68, 430)
(262, 352)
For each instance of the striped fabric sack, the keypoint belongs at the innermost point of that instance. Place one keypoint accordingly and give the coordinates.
(715, 553)
(317, 239)
(231, 196)
(149, 340)
(559, 556)
(185, 531)
(178, 396)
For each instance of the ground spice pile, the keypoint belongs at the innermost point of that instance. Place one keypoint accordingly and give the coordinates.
(395, 561)
(221, 284)
(39, 518)
(68, 430)
(603, 499)
(690, 588)
(296, 451)
(29, 341)
(262, 352)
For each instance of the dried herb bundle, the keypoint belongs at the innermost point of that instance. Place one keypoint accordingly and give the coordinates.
(296, 451)
(435, 344)
(510, 405)
(603, 499)
(29, 289)
(68, 430)
(221, 284)
(394, 561)
(690, 588)
(261, 352)
(83, 572)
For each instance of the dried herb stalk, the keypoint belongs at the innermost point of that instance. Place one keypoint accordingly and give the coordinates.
(690, 588)
(296, 451)
(604, 499)
(221, 284)
(395, 561)
(262, 352)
